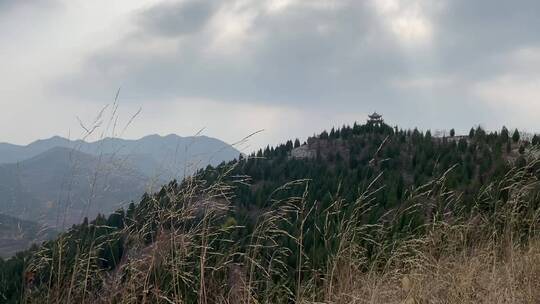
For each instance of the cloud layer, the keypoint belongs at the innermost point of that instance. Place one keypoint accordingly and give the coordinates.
(432, 64)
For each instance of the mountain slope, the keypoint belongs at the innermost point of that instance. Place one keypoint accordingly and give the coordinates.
(57, 182)
(17, 235)
(61, 186)
(55, 172)
(301, 221)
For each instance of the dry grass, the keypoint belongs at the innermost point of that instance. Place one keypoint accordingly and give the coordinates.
(489, 257)
(476, 275)
(181, 252)
(191, 259)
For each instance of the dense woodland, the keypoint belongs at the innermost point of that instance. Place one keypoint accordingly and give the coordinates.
(384, 167)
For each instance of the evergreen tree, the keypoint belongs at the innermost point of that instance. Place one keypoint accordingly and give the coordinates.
(428, 135)
(505, 135)
(324, 135)
(471, 133)
(515, 136)
(480, 134)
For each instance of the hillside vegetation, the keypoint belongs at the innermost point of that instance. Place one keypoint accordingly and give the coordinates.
(56, 182)
(362, 214)
(16, 234)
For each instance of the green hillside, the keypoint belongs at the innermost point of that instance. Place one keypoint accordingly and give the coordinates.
(276, 226)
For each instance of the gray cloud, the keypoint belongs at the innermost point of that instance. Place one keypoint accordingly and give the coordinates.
(474, 36)
(177, 18)
(348, 56)
(302, 54)
(7, 4)
(31, 3)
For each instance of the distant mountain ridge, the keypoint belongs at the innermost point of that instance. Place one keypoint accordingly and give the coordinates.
(182, 153)
(56, 182)
(60, 186)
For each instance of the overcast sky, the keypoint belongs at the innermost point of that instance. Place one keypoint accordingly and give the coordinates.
(290, 67)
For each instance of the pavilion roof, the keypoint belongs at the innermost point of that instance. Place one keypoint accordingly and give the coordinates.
(375, 115)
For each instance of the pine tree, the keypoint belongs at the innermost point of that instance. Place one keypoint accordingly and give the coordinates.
(504, 134)
(471, 133)
(324, 135)
(428, 135)
(480, 134)
(515, 136)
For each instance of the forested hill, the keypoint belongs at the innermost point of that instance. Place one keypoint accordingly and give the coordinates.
(301, 196)
(344, 162)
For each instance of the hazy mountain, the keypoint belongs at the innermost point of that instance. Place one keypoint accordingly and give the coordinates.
(10, 153)
(17, 234)
(163, 156)
(61, 186)
(57, 181)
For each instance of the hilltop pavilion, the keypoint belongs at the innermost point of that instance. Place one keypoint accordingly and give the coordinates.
(375, 119)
